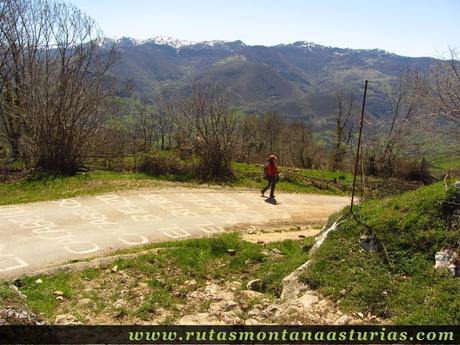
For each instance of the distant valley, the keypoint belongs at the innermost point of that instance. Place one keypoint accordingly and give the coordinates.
(298, 80)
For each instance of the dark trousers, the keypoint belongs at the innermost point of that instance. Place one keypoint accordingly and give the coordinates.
(271, 184)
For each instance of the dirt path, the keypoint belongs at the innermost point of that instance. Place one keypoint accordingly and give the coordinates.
(38, 235)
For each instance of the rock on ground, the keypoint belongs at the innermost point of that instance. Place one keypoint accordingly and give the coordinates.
(15, 316)
(66, 319)
(231, 306)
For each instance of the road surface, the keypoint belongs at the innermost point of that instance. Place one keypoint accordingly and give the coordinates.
(38, 235)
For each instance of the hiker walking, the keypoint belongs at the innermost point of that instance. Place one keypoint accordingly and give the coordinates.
(271, 174)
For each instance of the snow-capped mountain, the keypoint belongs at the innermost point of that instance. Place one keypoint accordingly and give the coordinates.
(298, 79)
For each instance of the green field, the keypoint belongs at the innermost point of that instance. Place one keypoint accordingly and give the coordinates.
(446, 163)
(102, 181)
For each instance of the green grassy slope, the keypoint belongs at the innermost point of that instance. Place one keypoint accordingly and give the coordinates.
(413, 227)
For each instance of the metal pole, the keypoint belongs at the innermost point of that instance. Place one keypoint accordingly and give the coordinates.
(358, 148)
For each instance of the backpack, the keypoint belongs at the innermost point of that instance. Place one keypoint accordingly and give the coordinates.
(266, 171)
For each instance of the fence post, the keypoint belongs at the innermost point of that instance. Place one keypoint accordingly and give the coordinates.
(358, 148)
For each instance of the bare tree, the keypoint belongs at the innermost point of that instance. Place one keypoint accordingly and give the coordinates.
(206, 121)
(271, 126)
(165, 129)
(14, 39)
(404, 106)
(343, 129)
(145, 126)
(441, 89)
(392, 142)
(57, 80)
(249, 138)
(301, 146)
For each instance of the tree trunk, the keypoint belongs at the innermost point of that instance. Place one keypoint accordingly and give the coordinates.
(15, 150)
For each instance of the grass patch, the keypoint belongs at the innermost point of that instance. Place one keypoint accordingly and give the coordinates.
(160, 298)
(290, 187)
(292, 179)
(413, 227)
(446, 162)
(272, 273)
(324, 174)
(100, 181)
(7, 295)
(41, 297)
(89, 274)
(52, 188)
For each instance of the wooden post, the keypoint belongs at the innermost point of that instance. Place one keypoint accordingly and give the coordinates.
(358, 148)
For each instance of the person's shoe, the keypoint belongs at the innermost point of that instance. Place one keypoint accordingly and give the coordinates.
(272, 197)
(262, 192)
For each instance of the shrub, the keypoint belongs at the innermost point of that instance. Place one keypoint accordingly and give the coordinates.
(398, 167)
(167, 165)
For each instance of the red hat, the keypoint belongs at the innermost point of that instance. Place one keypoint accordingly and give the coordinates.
(272, 157)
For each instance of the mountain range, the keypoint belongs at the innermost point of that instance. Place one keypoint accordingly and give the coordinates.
(299, 80)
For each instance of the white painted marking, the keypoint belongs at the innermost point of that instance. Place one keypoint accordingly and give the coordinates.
(68, 203)
(9, 262)
(86, 247)
(210, 228)
(42, 233)
(146, 218)
(121, 204)
(125, 238)
(13, 211)
(184, 213)
(202, 203)
(174, 208)
(175, 232)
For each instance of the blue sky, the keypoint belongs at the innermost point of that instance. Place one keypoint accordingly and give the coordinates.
(406, 27)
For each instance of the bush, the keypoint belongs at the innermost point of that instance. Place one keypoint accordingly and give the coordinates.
(398, 167)
(3, 151)
(167, 165)
(413, 170)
